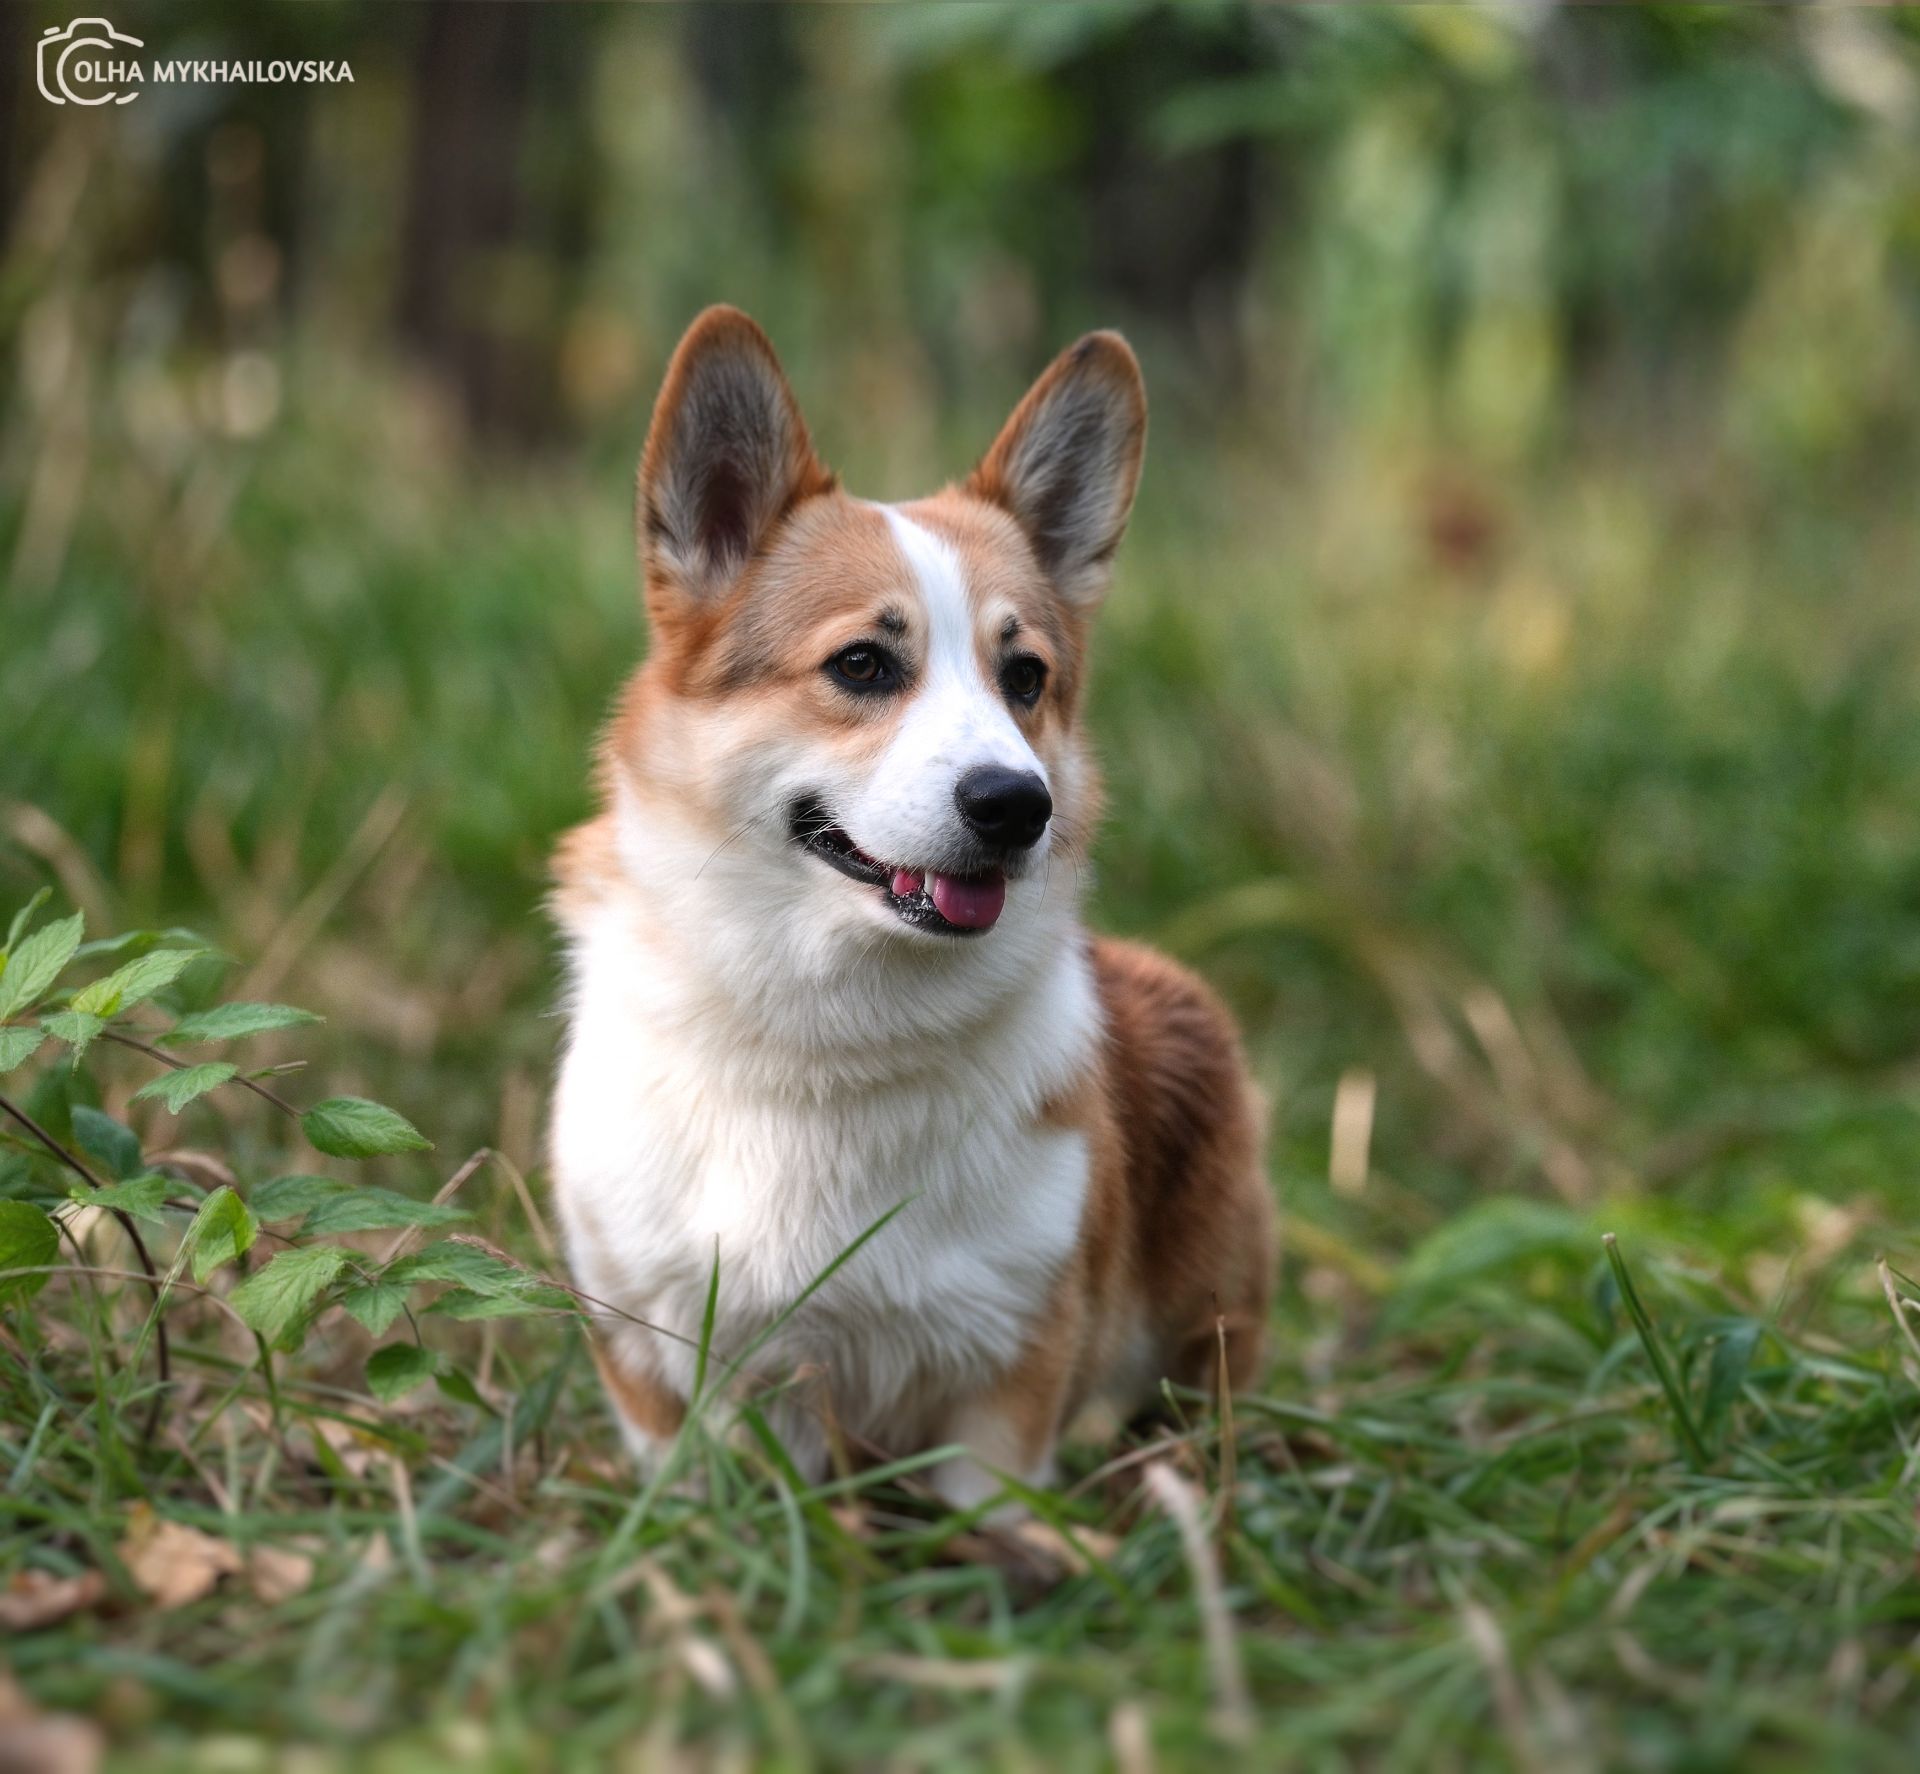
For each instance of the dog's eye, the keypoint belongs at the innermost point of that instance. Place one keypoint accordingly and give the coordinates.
(863, 668)
(1023, 678)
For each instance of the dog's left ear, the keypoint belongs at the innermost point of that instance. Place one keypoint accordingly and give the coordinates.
(1066, 464)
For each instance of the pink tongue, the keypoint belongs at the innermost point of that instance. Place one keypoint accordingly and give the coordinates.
(972, 903)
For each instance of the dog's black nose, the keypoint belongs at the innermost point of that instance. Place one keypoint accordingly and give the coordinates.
(1006, 808)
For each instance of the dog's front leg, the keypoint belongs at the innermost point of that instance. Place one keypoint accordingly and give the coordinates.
(651, 1413)
(648, 1410)
(1009, 1429)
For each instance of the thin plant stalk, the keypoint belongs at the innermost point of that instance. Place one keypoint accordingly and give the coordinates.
(1695, 1448)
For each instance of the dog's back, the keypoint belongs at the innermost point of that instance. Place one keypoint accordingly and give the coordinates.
(1189, 1127)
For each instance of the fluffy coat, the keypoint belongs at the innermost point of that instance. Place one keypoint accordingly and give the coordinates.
(810, 989)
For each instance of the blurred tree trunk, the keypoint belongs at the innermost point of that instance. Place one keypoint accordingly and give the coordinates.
(15, 43)
(1171, 235)
(742, 58)
(471, 80)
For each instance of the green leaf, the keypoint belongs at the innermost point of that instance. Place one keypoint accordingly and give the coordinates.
(457, 1386)
(28, 1239)
(136, 982)
(75, 1027)
(352, 1127)
(113, 1143)
(50, 1102)
(276, 1301)
(141, 1198)
(31, 968)
(465, 1265)
(397, 1369)
(287, 1198)
(483, 1285)
(177, 1089)
(221, 1231)
(464, 1304)
(375, 1210)
(138, 942)
(17, 1046)
(376, 1305)
(233, 1022)
(23, 917)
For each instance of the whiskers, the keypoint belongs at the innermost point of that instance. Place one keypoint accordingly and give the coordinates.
(731, 839)
(1061, 852)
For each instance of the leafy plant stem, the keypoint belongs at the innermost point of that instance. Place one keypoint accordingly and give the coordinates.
(178, 1065)
(273, 1386)
(162, 1349)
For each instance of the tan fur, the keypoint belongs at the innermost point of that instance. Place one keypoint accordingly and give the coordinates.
(1178, 1235)
(1174, 1264)
(1189, 1131)
(641, 1399)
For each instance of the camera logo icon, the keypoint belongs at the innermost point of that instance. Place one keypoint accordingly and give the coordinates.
(85, 64)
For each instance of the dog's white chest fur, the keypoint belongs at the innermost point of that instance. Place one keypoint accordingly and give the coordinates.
(769, 1136)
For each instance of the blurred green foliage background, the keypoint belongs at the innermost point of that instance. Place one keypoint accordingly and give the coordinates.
(1508, 695)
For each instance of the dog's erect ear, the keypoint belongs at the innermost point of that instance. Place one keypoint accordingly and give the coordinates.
(1067, 463)
(727, 457)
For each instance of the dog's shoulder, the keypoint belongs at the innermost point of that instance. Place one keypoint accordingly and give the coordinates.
(1162, 1019)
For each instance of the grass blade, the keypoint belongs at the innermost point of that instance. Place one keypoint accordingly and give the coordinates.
(707, 1316)
(1690, 1438)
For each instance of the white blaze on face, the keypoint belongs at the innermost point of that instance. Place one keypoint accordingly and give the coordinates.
(955, 721)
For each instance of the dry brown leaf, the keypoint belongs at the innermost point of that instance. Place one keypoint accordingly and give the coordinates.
(853, 1518)
(356, 1451)
(708, 1666)
(1049, 1542)
(1031, 1551)
(553, 1554)
(172, 1563)
(36, 1742)
(1130, 1737)
(278, 1573)
(985, 1675)
(377, 1554)
(33, 1599)
(594, 1468)
(54, 1743)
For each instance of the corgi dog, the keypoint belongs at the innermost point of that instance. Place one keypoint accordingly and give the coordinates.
(828, 973)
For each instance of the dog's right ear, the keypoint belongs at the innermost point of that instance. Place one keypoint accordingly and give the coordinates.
(727, 457)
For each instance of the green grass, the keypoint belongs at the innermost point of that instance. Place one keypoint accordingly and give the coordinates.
(1593, 857)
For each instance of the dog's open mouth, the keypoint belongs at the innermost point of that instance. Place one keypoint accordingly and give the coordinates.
(959, 905)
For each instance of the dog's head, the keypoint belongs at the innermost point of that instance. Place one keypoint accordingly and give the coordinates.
(857, 716)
